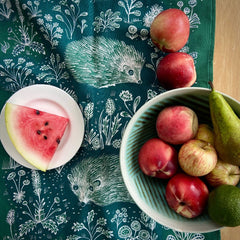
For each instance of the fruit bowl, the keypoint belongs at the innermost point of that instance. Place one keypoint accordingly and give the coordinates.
(148, 192)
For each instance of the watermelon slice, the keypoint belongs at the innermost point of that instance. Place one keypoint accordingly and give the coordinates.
(35, 134)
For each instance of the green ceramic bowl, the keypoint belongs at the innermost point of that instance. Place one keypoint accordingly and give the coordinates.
(148, 192)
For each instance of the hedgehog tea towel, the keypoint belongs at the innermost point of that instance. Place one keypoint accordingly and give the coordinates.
(100, 53)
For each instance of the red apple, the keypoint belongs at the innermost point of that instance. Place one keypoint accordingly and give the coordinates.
(170, 29)
(223, 173)
(205, 133)
(197, 158)
(187, 195)
(158, 159)
(176, 124)
(176, 70)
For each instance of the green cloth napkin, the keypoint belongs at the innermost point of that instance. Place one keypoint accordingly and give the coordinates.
(98, 51)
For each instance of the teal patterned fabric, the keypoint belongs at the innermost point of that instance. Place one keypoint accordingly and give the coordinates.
(99, 52)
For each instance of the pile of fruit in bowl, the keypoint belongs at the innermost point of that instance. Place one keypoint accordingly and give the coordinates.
(180, 159)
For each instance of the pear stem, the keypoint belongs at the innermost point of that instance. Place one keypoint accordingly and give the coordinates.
(211, 85)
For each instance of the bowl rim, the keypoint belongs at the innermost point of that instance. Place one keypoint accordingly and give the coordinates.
(175, 224)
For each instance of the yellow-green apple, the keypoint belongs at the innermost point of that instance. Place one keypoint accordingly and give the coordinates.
(205, 133)
(158, 159)
(197, 157)
(223, 173)
(176, 70)
(187, 195)
(170, 29)
(176, 124)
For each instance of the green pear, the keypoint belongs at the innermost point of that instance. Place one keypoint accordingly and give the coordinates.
(226, 125)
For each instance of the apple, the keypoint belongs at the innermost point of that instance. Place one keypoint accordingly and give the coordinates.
(170, 29)
(176, 70)
(186, 195)
(205, 133)
(158, 159)
(176, 124)
(223, 173)
(197, 158)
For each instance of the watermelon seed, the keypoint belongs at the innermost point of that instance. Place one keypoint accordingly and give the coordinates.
(38, 132)
(37, 112)
(46, 123)
(45, 137)
(58, 140)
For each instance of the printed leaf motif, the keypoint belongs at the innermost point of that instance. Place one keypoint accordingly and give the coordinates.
(69, 15)
(54, 70)
(194, 20)
(116, 124)
(37, 47)
(129, 5)
(138, 4)
(50, 225)
(149, 16)
(91, 230)
(136, 13)
(24, 38)
(83, 14)
(36, 182)
(77, 227)
(125, 114)
(5, 8)
(8, 80)
(57, 8)
(148, 65)
(35, 210)
(32, 8)
(90, 216)
(136, 103)
(51, 30)
(62, 218)
(59, 17)
(67, 12)
(105, 125)
(18, 49)
(107, 20)
(15, 75)
(10, 217)
(27, 227)
(110, 107)
(126, 96)
(88, 111)
(39, 213)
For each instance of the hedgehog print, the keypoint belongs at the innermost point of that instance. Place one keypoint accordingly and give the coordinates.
(103, 62)
(91, 182)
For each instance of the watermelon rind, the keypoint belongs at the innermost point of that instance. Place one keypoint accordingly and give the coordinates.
(26, 152)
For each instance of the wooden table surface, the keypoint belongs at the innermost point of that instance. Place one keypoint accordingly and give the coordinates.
(226, 66)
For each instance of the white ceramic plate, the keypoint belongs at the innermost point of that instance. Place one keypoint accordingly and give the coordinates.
(53, 100)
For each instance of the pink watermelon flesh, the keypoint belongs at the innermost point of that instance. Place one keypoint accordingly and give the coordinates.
(35, 134)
